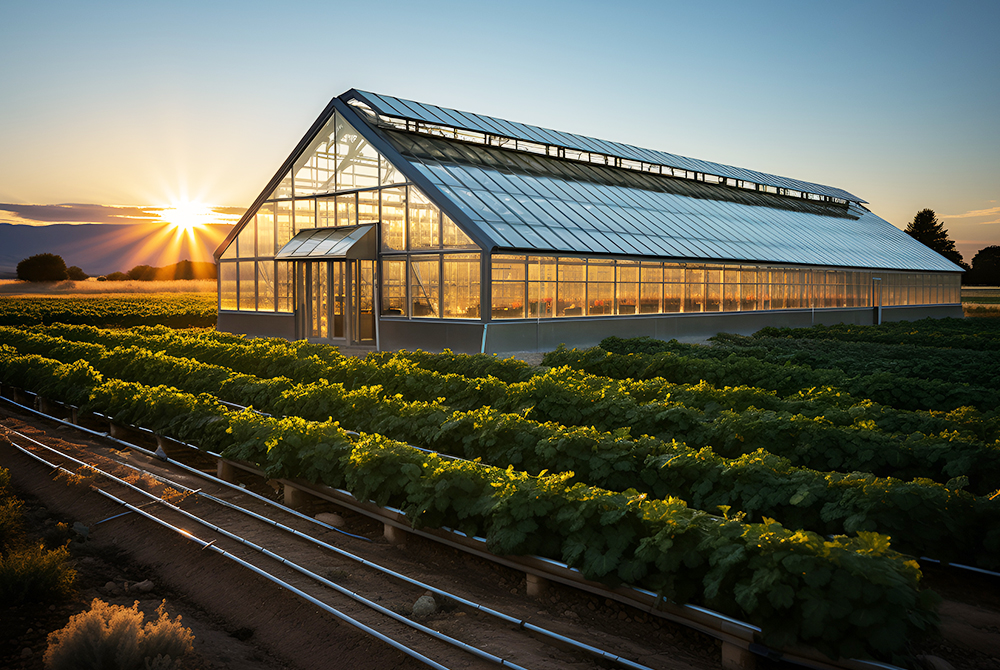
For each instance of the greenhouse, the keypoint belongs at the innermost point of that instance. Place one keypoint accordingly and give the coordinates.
(395, 224)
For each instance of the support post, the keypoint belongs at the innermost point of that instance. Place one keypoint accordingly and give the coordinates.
(295, 498)
(735, 657)
(225, 471)
(536, 585)
(394, 535)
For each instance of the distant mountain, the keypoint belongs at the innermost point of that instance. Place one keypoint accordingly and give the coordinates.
(100, 249)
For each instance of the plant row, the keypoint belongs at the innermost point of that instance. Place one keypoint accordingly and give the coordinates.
(976, 334)
(822, 429)
(179, 311)
(848, 597)
(923, 517)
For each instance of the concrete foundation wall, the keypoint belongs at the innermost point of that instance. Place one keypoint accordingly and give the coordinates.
(257, 324)
(546, 335)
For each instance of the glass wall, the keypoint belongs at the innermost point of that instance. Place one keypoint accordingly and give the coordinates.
(529, 286)
(341, 180)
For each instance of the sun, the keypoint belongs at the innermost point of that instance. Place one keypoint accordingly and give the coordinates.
(185, 217)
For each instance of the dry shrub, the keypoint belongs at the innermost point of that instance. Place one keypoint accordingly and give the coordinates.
(33, 573)
(84, 476)
(113, 637)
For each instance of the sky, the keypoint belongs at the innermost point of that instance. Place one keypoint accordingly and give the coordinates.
(109, 108)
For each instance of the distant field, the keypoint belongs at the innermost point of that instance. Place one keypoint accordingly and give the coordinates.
(177, 310)
(13, 287)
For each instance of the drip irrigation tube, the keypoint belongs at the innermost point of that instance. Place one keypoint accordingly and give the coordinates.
(475, 651)
(521, 623)
(283, 584)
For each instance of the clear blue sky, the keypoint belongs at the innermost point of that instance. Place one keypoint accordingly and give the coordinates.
(127, 103)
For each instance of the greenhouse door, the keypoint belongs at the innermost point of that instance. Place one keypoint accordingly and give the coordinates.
(322, 300)
(336, 301)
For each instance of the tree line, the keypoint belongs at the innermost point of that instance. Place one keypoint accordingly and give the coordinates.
(52, 267)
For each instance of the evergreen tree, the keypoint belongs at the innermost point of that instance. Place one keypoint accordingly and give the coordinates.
(926, 229)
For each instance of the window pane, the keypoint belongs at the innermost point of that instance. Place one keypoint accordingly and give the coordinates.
(283, 286)
(673, 297)
(245, 241)
(368, 206)
(424, 221)
(326, 212)
(357, 161)
(461, 286)
(508, 274)
(600, 298)
(347, 210)
(284, 189)
(572, 269)
(283, 223)
(388, 174)
(541, 287)
(394, 287)
(571, 297)
(424, 293)
(265, 286)
(248, 297)
(265, 230)
(305, 215)
(452, 235)
(627, 287)
(694, 289)
(315, 170)
(227, 285)
(394, 219)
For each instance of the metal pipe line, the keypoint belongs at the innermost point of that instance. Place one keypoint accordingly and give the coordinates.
(283, 584)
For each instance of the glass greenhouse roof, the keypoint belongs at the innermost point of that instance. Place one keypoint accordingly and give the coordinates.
(538, 204)
(451, 118)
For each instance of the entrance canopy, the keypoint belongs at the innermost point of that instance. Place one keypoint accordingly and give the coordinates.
(356, 242)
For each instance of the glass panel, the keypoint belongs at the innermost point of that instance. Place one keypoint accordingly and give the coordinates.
(248, 293)
(338, 297)
(284, 189)
(508, 275)
(368, 206)
(600, 298)
(364, 303)
(245, 241)
(265, 230)
(748, 290)
(320, 296)
(230, 251)
(541, 287)
(305, 215)
(347, 210)
(283, 223)
(315, 169)
(394, 219)
(572, 287)
(713, 298)
(694, 289)
(283, 286)
(265, 286)
(651, 288)
(326, 212)
(227, 285)
(424, 291)
(627, 288)
(461, 286)
(424, 221)
(673, 297)
(452, 235)
(394, 287)
(357, 161)
(388, 174)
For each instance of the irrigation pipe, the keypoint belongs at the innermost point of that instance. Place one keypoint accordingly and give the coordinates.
(283, 584)
(475, 651)
(521, 623)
